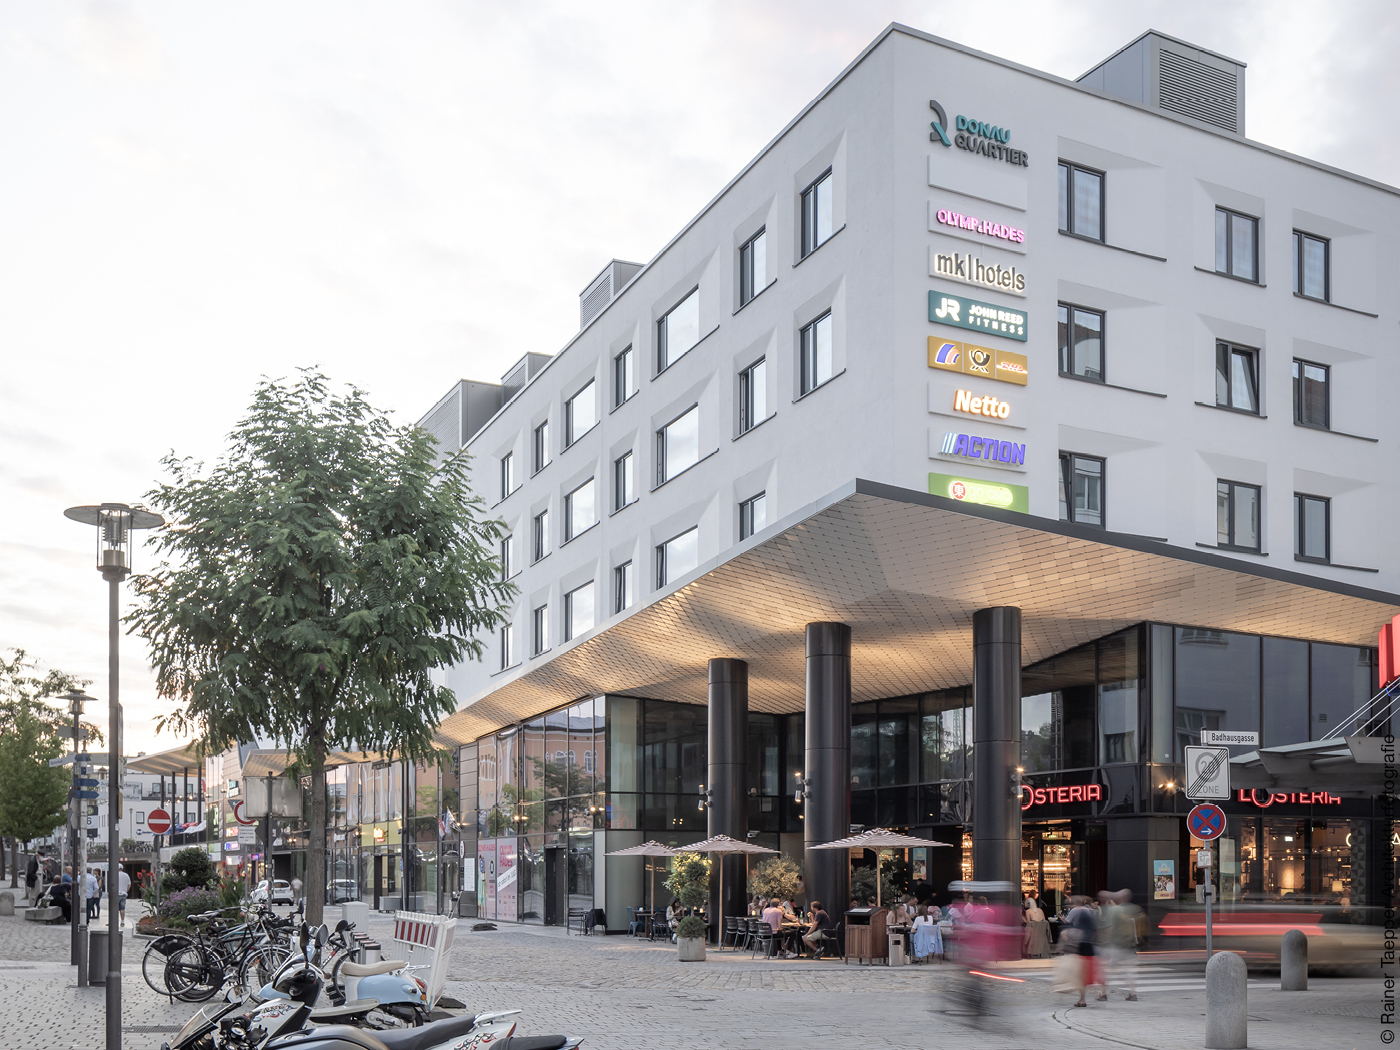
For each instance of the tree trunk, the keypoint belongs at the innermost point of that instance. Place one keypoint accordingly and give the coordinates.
(315, 878)
(2, 857)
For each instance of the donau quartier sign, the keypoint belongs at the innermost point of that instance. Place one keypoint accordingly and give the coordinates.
(975, 136)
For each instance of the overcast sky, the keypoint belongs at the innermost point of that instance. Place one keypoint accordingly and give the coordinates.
(193, 195)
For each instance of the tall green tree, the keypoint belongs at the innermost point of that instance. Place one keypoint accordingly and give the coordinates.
(33, 794)
(311, 582)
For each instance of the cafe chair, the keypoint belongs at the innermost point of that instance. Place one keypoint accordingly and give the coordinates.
(634, 922)
(731, 932)
(830, 939)
(764, 938)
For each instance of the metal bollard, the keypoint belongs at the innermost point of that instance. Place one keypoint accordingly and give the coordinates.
(1227, 1012)
(1293, 962)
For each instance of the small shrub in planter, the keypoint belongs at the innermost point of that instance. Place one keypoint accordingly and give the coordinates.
(178, 907)
(690, 927)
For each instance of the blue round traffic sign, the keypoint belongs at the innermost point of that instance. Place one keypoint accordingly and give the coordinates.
(1206, 821)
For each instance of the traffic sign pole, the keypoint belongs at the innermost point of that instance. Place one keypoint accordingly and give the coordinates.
(1207, 823)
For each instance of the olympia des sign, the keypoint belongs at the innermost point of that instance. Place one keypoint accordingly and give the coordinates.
(984, 226)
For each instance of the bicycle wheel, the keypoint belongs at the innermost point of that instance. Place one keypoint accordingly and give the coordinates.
(192, 975)
(157, 954)
(260, 964)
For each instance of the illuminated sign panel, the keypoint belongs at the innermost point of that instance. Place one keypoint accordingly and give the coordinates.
(983, 493)
(991, 450)
(961, 312)
(1034, 796)
(984, 362)
(968, 269)
(987, 405)
(975, 136)
(1265, 799)
(999, 230)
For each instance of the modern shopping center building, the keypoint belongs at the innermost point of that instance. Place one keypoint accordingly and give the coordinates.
(985, 421)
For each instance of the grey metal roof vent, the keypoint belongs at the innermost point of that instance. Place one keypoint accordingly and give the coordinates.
(603, 288)
(1169, 74)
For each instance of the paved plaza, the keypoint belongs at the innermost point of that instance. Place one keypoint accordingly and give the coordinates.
(626, 994)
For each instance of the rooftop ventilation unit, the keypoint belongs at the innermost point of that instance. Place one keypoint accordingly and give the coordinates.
(1169, 74)
(603, 288)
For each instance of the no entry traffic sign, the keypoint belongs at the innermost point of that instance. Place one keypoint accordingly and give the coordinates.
(1206, 821)
(158, 821)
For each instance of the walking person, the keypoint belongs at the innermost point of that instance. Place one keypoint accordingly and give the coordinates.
(123, 888)
(1037, 936)
(31, 880)
(94, 895)
(1082, 925)
(1119, 927)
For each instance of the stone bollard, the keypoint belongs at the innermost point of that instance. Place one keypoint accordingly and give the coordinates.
(1293, 962)
(7, 903)
(1227, 1013)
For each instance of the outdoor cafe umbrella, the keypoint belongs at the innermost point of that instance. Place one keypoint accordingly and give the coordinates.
(650, 848)
(878, 839)
(724, 845)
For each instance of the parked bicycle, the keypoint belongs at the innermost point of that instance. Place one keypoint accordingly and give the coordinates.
(193, 967)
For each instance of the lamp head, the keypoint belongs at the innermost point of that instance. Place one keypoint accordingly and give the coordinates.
(115, 522)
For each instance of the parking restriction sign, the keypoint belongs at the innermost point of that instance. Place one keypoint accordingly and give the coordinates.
(1206, 821)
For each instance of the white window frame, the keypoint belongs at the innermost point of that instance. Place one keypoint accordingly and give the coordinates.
(588, 393)
(817, 205)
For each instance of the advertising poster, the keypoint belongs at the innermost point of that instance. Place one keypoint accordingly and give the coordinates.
(486, 880)
(918, 863)
(505, 880)
(1164, 880)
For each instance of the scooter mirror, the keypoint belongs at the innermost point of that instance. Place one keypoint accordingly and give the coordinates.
(321, 936)
(342, 925)
(305, 937)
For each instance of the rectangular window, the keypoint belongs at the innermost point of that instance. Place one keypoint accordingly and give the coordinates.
(1236, 245)
(507, 646)
(753, 266)
(678, 331)
(540, 642)
(624, 481)
(622, 587)
(1311, 274)
(753, 395)
(624, 376)
(506, 567)
(677, 556)
(578, 611)
(1081, 342)
(753, 515)
(678, 445)
(1081, 489)
(1310, 400)
(1313, 527)
(1081, 201)
(507, 474)
(580, 413)
(580, 510)
(1237, 515)
(541, 535)
(816, 353)
(1237, 377)
(816, 213)
(140, 816)
(541, 446)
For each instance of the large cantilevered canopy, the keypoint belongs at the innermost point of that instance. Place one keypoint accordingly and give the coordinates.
(273, 762)
(906, 571)
(177, 760)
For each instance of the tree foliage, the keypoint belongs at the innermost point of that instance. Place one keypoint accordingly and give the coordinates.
(312, 580)
(689, 880)
(190, 868)
(776, 878)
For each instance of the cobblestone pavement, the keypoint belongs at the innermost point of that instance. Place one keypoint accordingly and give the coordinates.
(624, 994)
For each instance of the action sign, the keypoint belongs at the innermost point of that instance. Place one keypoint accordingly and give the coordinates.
(158, 821)
(1206, 821)
(1207, 772)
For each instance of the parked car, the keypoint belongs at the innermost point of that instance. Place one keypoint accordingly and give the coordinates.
(342, 890)
(281, 892)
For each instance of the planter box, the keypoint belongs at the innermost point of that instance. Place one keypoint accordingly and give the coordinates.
(692, 949)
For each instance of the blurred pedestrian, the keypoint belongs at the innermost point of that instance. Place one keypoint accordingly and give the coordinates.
(1037, 936)
(123, 889)
(31, 879)
(94, 895)
(1082, 925)
(1119, 928)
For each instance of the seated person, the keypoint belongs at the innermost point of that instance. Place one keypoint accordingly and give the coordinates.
(821, 925)
(789, 912)
(58, 893)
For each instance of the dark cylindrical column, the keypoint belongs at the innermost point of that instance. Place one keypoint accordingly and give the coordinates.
(996, 743)
(826, 814)
(728, 810)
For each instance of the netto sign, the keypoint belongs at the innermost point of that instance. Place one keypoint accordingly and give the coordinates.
(975, 136)
(986, 405)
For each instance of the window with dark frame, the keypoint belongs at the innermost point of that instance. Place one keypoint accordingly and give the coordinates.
(506, 542)
(578, 611)
(507, 474)
(624, 376)
(1312, 271)
(753, 395)
(580, 510)
(580, 413)
(624, 481)
(1311, 389)
(753, 515)
(1236, 245)
(622, 586)
(540, 641)
(753, 266)
(814, 347)
(1237, 516)
(678, 445)
(507, 646)
(1081, 489)
(541, 446)
(677, 556)
(816, 213)
(540, 539)
(1237, 377)
(1081, 201)
(1313, 527)
(678, 331)
(1081, 342)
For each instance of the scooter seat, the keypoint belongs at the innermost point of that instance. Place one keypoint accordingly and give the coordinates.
(428, 1035)
(342, 1014)
(370, 969)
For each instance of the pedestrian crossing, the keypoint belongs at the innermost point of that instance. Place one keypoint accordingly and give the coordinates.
(1150, 981)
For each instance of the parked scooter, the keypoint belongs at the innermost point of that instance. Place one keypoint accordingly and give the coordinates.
(289, 1021)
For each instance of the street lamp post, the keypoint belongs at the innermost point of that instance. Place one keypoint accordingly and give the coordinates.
(115, 523)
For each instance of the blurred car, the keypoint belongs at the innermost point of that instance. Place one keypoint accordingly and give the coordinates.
(342, 890)
(279, 893)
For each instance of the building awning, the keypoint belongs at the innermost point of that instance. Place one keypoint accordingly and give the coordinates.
(273, 762)
(1347, 765)
(175, 762)
(906, 570)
